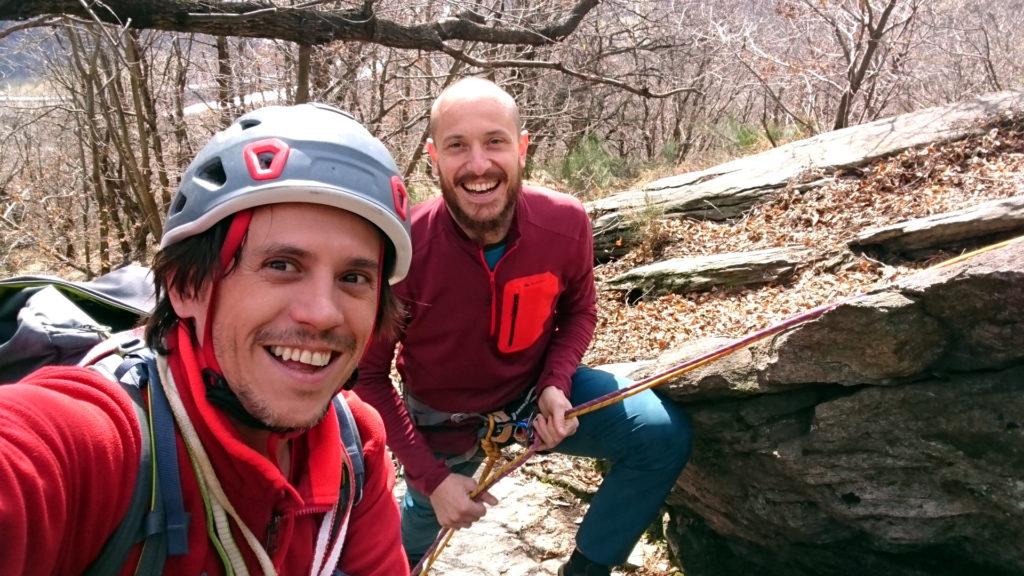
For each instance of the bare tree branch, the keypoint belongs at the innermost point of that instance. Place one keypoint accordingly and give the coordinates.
(302, 23)
(44, 246)
(643, 91)
(47, 20)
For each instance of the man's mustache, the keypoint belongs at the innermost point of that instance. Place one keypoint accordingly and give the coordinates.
(300, 338)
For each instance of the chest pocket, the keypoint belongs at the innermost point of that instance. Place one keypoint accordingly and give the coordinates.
(526, 306)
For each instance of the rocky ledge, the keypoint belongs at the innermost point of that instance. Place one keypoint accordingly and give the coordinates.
(885, 437)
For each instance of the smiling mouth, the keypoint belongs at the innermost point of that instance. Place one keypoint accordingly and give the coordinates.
(304, 356)
(481, 187)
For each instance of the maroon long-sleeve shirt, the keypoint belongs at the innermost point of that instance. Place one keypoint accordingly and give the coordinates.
(476, 339)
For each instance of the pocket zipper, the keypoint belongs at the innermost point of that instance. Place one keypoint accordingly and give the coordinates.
(512, 320)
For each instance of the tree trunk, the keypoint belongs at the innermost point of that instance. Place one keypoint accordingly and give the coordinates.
(185, 152)
(858, 70)
(224, 93)
(302, 74)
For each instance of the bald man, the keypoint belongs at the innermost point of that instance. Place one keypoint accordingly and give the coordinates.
(502, 307)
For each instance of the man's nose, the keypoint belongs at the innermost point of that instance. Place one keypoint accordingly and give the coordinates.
(318, 305)
(479, 162)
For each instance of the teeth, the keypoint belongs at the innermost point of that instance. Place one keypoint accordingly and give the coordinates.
(311, 357)
(481, 186)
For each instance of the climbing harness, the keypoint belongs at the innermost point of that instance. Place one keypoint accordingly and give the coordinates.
(490, 477)
(496, 429)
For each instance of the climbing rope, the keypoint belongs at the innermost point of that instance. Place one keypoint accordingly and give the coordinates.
(489, 477)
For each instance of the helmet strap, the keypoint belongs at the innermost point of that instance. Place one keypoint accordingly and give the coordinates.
(232, 242)
(218, 392)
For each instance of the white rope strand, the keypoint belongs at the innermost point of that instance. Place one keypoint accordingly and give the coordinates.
(191, 438)
(221, 506)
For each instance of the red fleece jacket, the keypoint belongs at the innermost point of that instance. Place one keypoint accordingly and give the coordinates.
(69, 453)
(476, 339)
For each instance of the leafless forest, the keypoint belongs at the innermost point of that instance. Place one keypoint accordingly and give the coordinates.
(102, 105)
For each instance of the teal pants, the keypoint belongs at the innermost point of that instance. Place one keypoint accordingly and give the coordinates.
(646, 439)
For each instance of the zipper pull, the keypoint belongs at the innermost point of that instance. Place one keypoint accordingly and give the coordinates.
(270, 543)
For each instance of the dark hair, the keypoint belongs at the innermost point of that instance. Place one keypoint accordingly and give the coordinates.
(390, 311)
(185, 267)
(189, 265)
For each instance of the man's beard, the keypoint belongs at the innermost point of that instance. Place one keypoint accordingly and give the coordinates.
(259, 408)
(272, 419)
(482, 228)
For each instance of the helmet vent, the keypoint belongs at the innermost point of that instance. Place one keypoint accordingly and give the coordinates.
(179, 204)
(265, 159)
(249, 123)
(213, 172)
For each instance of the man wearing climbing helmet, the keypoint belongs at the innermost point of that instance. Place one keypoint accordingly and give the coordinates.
(501, 308)
(273, 275)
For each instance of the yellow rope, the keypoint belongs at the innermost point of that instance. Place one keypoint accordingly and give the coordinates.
(981, 250)
(437, 553)
(493, 452)
(491, 449)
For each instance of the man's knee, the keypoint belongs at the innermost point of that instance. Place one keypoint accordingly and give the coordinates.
(667, 435)
(682, 433)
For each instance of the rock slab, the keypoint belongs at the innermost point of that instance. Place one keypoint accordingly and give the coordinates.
(985, 220)
(886, 437)
(728, 190)
(681, 275)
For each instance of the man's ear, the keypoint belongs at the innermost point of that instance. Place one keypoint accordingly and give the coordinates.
(193, 306)
(431, 150)
(524, 145)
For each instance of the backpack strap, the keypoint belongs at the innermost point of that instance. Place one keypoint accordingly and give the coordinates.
(168, 475)
(354, 447)
(131, 373)
(353, 444)
(156, 514)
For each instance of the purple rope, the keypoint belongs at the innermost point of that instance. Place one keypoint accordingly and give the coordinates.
(634, 388)
(639, 387)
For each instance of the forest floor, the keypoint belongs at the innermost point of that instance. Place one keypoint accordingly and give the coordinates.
(913, 184)
(530, 531)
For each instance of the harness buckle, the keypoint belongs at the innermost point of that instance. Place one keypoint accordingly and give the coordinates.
(459, 417)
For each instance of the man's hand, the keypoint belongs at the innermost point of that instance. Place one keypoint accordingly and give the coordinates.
(550, 423)
(452, 503)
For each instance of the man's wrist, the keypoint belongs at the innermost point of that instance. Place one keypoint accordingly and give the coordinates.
(431, 480)
(563, 387)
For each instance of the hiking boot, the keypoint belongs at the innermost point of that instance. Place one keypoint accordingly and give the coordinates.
(580, 565)
(596, 570)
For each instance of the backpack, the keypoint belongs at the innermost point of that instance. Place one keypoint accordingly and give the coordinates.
(45, 320)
